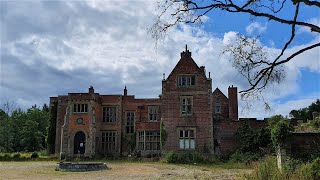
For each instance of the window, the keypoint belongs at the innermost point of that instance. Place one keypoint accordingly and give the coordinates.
(186, 80)
(109, 114)
(130, 123)
(186, 105)
(108, 141)
(149, 140)
(186, 139)
(217, 108)
(80, 108)
(153, 113)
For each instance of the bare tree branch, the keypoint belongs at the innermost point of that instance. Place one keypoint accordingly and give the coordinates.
(249, 57)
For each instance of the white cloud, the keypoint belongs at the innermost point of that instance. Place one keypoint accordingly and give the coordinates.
(315, 21)
(107, 45)
(256, 27)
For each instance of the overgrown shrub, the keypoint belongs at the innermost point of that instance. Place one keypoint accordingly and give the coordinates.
(315, 123)
(239, 156)
(310, 170)
(253, 140)
(280, 132)
(34, 155)
(290, 165)
(266, 169)
(188, 158)
(16, 156)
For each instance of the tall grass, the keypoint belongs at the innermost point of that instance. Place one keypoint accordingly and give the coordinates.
(267, 169)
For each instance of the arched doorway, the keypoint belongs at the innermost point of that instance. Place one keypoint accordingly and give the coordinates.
(79, 143)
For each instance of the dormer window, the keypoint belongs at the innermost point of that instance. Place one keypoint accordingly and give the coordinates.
(186, 80)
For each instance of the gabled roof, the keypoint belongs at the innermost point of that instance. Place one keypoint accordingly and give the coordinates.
(217, 91)
(185, 56)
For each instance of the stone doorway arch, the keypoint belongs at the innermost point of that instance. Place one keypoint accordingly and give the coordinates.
(79, 146)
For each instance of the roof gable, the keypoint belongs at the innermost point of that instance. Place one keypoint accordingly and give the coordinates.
(186, 63)
(218, 92)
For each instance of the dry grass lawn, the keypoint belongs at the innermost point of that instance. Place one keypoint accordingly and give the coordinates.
(119, 170)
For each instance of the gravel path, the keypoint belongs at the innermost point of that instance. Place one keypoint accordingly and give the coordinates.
(123, 170)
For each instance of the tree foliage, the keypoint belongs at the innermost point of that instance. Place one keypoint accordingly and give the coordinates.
(306, 113)
(253, 140)
(23, 130)
(52, 128)
(249, 57)
(280, 130)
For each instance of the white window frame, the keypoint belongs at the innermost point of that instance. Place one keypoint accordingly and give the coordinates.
(187, 139)
(153, 113)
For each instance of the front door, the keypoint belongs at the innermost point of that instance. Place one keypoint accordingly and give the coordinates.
(79, 143)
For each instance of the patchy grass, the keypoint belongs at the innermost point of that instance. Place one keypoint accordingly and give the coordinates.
(122, 170)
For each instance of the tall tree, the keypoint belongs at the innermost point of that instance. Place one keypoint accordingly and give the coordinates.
(249, 57)
(52, 128)
(306, 113)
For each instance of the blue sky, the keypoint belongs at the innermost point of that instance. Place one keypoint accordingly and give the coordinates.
(50, 48)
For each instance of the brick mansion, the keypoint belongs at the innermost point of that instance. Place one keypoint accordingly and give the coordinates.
(193, 116)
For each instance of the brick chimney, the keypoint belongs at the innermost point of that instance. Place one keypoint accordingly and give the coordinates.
(203, 70)
(233, 103)
(91, 90)
(186, 53)
(125, 91)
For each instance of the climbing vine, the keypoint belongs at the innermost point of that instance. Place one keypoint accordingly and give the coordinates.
(163, 134)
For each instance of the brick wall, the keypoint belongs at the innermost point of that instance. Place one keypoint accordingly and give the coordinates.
(303, 145)
(201, 119)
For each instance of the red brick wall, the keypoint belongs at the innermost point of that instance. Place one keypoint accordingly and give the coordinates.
(233, 103)
(201, 118)
(303, 145)
(224, 134)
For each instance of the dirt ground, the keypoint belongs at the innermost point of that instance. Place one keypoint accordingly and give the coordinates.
(119, 170)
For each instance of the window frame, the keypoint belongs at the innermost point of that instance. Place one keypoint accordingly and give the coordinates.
(186, 80)
(186, 107)
(187, 137)
(113, 118)
(218, 104)
(80, 108)
(108, 141)
(149, 141)
(153, 112)
(130, 125)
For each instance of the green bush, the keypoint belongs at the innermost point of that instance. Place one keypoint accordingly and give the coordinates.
(310, 170)
(239, 156)
(188, 158)
(291, 165)
(280, 132)
(266, 169)
(34, 155)
(315, 123)
(43, 152)
(16, 156)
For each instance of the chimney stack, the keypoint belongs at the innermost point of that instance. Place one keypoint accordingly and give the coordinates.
(186, 53)
(91, 90)
(125, 91)
(233, 103)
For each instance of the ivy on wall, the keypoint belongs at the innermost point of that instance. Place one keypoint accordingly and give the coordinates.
(163, 134)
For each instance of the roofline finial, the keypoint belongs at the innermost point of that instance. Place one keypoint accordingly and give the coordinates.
(186, 47)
